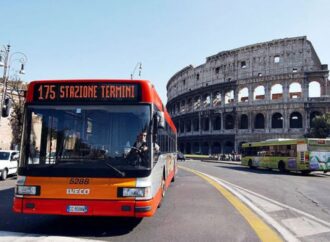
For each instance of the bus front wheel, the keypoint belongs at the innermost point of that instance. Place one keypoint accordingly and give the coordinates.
(250, 164)
(306, 172)
(163, 187)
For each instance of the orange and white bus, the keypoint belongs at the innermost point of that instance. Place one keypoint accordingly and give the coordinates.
(79, 153)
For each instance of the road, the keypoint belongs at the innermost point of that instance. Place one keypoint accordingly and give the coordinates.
(297, 207)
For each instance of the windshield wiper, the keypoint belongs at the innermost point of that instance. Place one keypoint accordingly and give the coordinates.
(115, 169)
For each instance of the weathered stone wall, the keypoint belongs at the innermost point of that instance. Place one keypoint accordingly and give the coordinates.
(5, 134)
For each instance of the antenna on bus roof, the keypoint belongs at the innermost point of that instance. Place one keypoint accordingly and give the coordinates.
(138, 65)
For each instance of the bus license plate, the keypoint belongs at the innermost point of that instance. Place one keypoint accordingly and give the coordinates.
(76, 209)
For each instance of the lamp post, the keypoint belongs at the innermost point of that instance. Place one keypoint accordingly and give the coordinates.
(5, 61)
(138, 65)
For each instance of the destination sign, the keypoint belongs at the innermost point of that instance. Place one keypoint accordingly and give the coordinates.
(71, 92)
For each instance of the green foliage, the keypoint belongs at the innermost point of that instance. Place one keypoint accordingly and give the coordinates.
(320, 126)
(16, 122)
(16, 94)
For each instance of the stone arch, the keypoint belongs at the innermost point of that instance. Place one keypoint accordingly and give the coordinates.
(240, 146)
(277, 121)
(206, 100)
(276, 91)
(229, 97)
(229, 122)
(177, 107)
(188, 125)
(183, 106)
(259, 121)
(206, 124)
(176, 125)
(244, 122)
(217, 123)
(314, 89)
(182, 126)
(181, 147)
(228, 147)
(312, 116)
(243, 95)
(196, 148)
(259, 93)
(197, 102)
(295, 90)
(205, 148)
(296, 120)
(188, 148)
(189, 104)
(216, 148)
(195, 124)
(216, 98)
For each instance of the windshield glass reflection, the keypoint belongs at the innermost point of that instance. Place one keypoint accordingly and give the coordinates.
(87, 135)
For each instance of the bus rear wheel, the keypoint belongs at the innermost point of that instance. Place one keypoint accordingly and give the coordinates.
(281, 166)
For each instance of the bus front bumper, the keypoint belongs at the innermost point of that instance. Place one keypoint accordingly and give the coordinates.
(120, 208)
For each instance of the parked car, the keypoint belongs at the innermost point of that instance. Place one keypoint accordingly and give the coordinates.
(180, 157)
(8, 163)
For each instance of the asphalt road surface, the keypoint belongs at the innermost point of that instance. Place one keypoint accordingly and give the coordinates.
(296, 207)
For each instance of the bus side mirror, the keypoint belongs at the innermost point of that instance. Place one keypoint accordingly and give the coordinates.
(6, 108)
(160, 120)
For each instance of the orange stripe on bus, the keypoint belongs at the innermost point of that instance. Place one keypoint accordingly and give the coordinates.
(98, 188)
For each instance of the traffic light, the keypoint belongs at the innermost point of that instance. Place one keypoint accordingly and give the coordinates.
(6, 107)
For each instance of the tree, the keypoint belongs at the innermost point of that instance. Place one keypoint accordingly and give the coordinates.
(16, 95)
(320, 126)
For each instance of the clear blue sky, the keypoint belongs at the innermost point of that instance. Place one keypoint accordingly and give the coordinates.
(106, 38)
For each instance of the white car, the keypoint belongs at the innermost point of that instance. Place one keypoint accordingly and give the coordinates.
(8, 162)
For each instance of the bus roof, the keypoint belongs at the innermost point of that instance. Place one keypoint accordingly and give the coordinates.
(148, 91)
(281, 141)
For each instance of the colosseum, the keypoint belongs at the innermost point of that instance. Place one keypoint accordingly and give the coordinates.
(257, 92)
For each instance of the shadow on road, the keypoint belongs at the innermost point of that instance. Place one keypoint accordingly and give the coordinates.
(273, 172)
(61, 225)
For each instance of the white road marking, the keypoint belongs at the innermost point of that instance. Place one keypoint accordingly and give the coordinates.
(302, 226)
(23, 237)
(286, 234)
(264, 204)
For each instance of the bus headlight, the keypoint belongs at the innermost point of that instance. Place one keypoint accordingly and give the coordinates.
(27, 190)
(134, 192)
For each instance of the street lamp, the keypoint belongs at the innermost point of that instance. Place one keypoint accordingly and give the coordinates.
(138, 65)
(5, 61)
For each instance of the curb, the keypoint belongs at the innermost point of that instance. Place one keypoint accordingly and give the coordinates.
(223, 162)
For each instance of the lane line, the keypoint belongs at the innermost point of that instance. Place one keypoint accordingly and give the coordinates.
(263, 231)
(24, 237)
(267, 206)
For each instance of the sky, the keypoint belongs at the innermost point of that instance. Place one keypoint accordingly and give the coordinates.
(71, 39)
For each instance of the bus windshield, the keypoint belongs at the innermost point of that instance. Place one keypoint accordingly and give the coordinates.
(100, 136)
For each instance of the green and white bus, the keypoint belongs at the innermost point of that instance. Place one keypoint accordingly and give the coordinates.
(305, 155)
